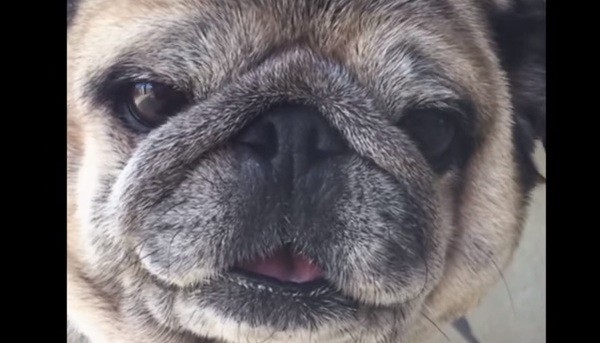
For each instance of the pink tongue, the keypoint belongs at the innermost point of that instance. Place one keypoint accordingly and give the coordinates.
(285, 266)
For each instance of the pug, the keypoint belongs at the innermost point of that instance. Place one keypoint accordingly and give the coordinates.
(293, 170)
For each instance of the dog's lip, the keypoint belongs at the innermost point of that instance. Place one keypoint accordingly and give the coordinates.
(284, 265)
(281, 269)
(261, 282)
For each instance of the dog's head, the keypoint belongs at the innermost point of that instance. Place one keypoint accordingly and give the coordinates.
(299, 171)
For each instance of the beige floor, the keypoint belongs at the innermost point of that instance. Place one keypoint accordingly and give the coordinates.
(495, 321)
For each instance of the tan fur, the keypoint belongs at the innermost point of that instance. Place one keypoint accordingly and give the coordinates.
(485, 230)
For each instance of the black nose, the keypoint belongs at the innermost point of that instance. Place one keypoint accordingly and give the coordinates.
(291, 139)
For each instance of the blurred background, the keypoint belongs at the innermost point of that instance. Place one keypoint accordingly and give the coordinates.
(495, 320)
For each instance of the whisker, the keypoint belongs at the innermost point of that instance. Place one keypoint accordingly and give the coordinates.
(347, 330)
(269, 337)
(172, 207)
(436, 326)
(169, 251)
(149, 254)
(510, 299)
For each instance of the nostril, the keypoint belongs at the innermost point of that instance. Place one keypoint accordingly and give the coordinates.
(324, 154)
(261, 139)
(329, 144)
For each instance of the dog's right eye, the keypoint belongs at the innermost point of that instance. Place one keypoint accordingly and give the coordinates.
(150, 104)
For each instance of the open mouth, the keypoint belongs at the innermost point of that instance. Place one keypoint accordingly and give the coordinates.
(284, 268)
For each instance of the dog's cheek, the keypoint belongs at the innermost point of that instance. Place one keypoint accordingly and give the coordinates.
(104, 152)
(196, 229)
(379, 247)
(448, 192)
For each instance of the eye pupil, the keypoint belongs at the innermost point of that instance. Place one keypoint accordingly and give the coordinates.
(433, 131)
(152, 103)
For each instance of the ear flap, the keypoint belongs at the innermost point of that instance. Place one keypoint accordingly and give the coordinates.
(519, 28)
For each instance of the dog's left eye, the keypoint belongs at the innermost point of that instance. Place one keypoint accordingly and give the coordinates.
(434, 131)
(150, 104)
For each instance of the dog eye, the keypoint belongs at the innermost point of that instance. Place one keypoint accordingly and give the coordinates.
(151, 104)
(433, 130)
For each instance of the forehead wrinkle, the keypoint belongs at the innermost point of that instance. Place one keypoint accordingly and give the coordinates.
(460, 43)
(173, 60)
(407, 77)
(198, 48)
(410, 70)
(113, 38)
(432, 62)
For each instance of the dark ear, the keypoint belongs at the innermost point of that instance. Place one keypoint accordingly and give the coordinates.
(71, 9)
(519, 28)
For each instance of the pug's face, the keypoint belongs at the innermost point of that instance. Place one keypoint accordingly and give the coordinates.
(291, 171)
